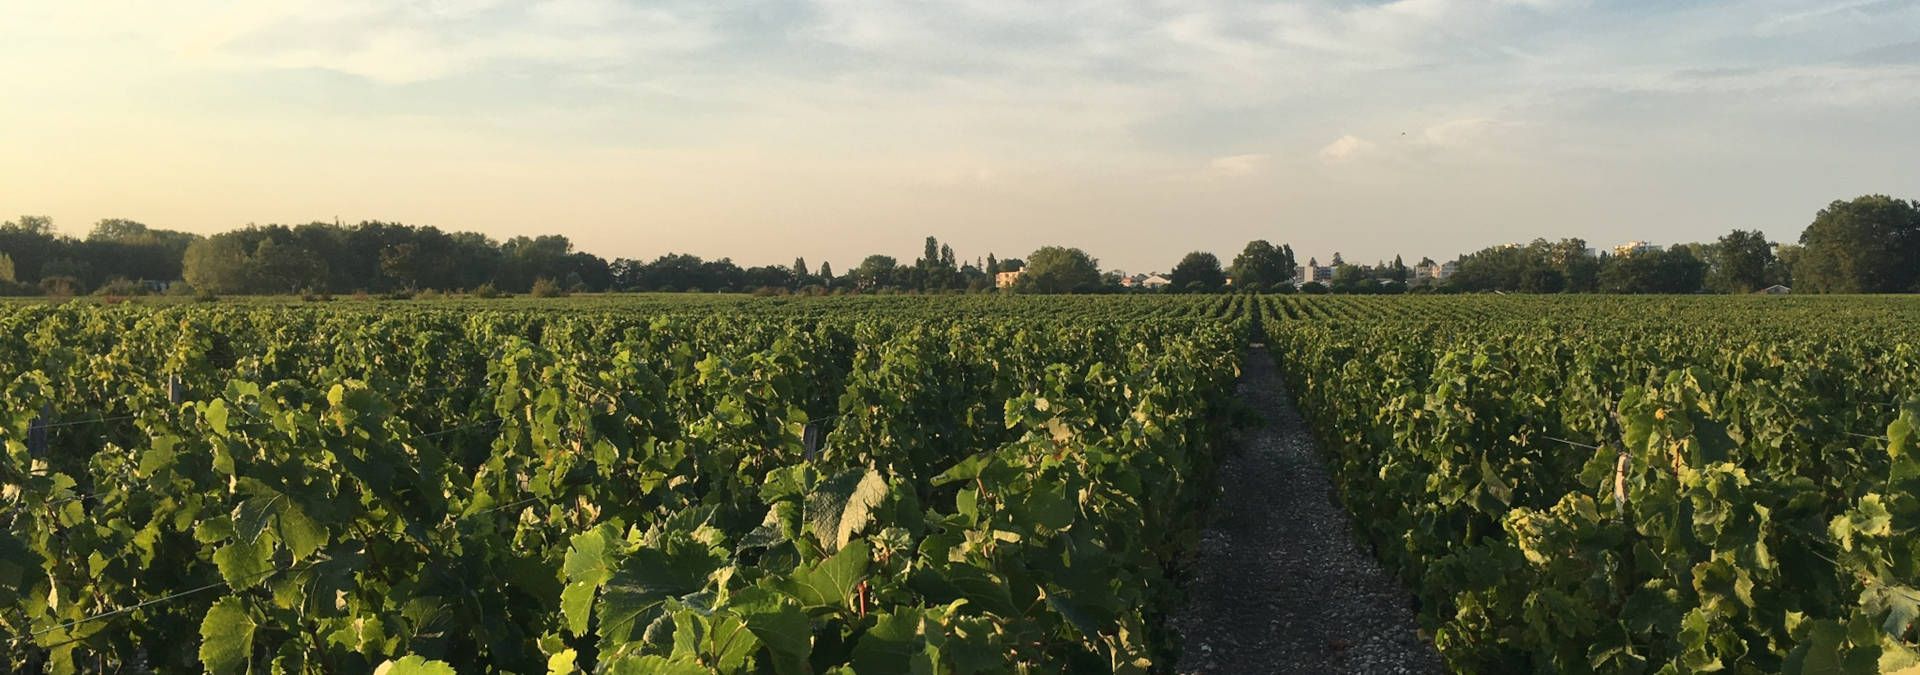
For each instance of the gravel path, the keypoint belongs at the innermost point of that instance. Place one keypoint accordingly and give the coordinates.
(1281, 584)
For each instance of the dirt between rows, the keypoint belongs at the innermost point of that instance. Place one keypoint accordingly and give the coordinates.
(1281, 583)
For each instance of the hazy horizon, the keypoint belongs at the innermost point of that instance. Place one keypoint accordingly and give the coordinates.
(834, 129)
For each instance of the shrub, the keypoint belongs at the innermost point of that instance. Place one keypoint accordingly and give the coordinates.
(546, 288)
(120, 287)
(59, 287)
(487, 291)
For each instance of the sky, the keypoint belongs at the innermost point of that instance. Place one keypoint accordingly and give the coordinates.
(832, 129)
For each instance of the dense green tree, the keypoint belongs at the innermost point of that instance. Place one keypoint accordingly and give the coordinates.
(219, 264)
(1869, 244)
(1057, 269)
(128, 249)
(876, 271)
(31, 241)
(1198, 272)
(1262, 265)
(1785, 258)
(826, 274)
(1540, 266)
(1741, 262)
(1675, 270)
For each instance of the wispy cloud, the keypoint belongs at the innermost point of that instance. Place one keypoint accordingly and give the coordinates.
(1347, 148)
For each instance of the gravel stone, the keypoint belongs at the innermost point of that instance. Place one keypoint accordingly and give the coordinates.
(1281, 583)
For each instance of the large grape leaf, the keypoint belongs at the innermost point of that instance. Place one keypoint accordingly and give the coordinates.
(226, 637)
(414, 665)
(777, 621)
(842, 506)
(244, 563)
(830, 583)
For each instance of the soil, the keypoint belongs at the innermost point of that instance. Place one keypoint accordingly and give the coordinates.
(1281, 583)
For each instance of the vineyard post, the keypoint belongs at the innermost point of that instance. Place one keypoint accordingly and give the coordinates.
(37, 432)
(1620, 481)
(810, 438)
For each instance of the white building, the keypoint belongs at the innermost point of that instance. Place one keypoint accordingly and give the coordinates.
(1155, 282)
(1006, 279)
(1636, 246)
(1435, 271)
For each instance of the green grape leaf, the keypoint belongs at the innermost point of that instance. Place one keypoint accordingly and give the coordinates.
(778, 622)
(303, 536)
(414, 665)
(890, 645)
(842, 506)
(226, 637)
(830, 583)
(245, 563)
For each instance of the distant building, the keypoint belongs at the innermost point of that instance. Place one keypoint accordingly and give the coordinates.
(1775, 289)
(1006, 279)
(1636, 246)
(1435, 271)
(1156, 282)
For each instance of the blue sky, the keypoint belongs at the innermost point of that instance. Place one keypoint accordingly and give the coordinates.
(836, 128)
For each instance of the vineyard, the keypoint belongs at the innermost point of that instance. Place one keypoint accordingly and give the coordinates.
(950, 484)
(646, 484)
(1605, 484)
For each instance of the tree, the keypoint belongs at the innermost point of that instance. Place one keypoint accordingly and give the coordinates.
(1350, 278)
(218, 264)
(1785, 258)
(33, 225)
(6, 269)
(1742, 262)
(826, 274)
(875, 271)
(800, 269)
(993, 265)
(1870, 244)
(117, 229)
(1675, 270)
(1199, 271)
(1399, 270)
(1262, 265)
(1056, 269)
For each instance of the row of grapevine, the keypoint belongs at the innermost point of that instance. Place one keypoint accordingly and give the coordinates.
(605, 488)
(1629, 484)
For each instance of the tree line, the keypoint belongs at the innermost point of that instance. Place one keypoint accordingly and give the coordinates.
(1870, 244)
